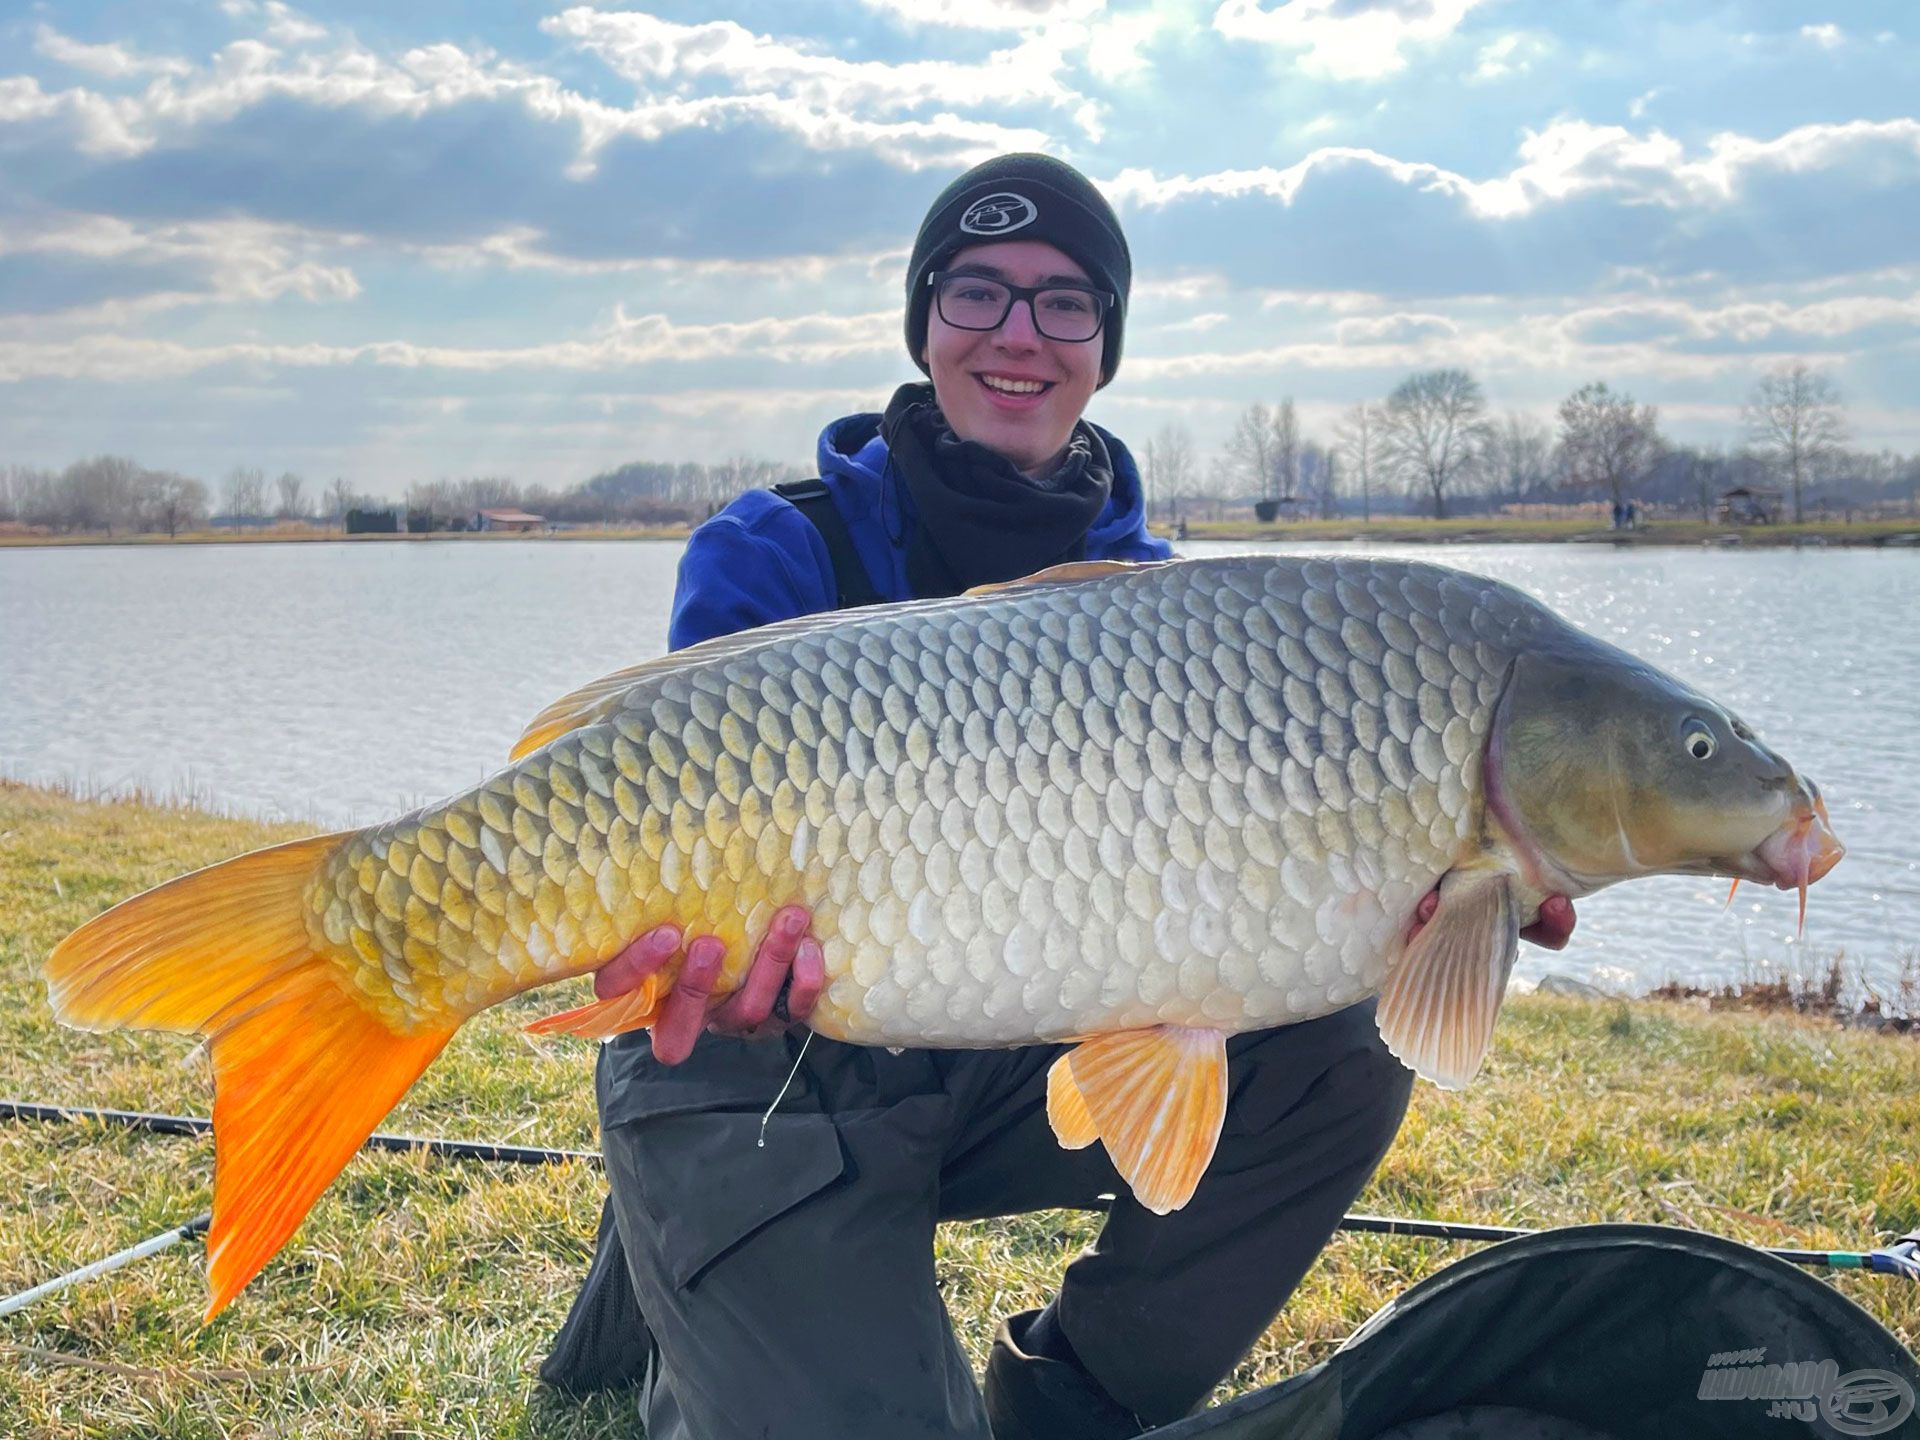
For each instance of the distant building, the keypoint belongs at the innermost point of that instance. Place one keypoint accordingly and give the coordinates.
(1749, 505)
(507, 520)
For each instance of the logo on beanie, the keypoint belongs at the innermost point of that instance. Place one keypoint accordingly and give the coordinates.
(998, 214)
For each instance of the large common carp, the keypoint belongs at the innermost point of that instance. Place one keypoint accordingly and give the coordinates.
(1136, 807)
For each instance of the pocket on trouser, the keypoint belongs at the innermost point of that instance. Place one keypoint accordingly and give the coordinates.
(685, 1162)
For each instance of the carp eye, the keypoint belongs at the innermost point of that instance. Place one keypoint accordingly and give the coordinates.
(1699, 741)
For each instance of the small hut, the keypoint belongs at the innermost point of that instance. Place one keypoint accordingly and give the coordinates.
(507, 520)
(1749, 505)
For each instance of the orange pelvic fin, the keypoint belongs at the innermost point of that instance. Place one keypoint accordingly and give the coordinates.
(1067, 1109)
(633, 1010)
(1732, 890)
(1155, 1098)
(302, 1071)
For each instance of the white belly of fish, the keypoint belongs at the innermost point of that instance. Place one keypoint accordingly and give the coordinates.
(1234, 860)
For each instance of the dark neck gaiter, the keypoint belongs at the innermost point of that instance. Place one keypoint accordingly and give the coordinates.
(981, 520)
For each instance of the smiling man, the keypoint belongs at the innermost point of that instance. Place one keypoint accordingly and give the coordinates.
(788, 1288)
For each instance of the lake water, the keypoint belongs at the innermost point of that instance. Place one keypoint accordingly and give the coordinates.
(344, 683)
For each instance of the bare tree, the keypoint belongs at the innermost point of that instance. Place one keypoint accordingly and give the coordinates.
(1519, 458)
(1170, 471)
(1606, 441)
(1795, 418)
(245, 493)
(292, 492)
(1705, 473)
(1286, 448)
(175, 503)
(1432, 430)
(339, 499)
(1357, 438)
(1316, 484)
(1250, 450)
(1329, 483)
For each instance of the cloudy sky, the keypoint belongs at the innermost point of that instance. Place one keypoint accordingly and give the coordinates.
(439, 239)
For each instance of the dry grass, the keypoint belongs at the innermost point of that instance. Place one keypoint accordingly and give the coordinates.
(420, 1294)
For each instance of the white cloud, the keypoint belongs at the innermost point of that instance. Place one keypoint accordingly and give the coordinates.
(1827, 37)
(235, 262)
(627, 341)
(1116, 45)
(650, 51)
(986, 14)
(1568, 158)
(115, 62)
(1509, 55)
(248, 73)
(283, 23)
(1397, 328)
(1745, 322)
(1193, 324)
(1340, 38)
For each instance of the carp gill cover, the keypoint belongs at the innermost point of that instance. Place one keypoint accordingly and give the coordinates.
(1138, 808)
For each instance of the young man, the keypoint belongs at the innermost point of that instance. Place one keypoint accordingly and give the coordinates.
(788, 1289)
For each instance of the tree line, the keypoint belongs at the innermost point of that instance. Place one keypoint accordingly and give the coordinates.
(1433, 443)
(111, 494)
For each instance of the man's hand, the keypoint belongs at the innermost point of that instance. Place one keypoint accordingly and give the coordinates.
(789, 958)
(1552, 928)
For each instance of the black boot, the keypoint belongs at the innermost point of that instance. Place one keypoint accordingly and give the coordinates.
(1032, 1396)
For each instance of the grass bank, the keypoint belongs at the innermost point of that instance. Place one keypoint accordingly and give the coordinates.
(420, 1294)
(1506, 530)
(297, 534)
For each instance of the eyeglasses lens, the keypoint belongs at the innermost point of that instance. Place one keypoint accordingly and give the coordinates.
(970, 303)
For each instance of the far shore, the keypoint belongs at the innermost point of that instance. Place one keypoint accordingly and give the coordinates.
(1899, 532)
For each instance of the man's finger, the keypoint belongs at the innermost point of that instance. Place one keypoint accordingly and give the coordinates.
(1554, 927)
(683, 1014)
(749, 1006)
(635, 963)
(808, 979)
(1423, 912)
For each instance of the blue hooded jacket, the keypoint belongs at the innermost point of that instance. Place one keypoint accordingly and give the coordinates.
(760, 560)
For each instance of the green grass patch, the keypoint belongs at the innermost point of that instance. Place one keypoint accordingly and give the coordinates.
(420, 1294)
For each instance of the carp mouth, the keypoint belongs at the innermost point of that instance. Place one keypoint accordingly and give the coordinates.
(1796, 855)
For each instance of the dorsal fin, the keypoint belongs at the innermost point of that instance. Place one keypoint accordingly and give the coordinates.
(1069, 573)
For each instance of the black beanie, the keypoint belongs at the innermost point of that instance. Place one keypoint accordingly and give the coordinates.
(1023, 197)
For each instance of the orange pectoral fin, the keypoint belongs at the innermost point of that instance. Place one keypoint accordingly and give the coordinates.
(633, 1009)
(1154, 1097)
(1437, 1009)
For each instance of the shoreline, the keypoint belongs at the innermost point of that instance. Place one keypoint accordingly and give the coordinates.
(1898, 533)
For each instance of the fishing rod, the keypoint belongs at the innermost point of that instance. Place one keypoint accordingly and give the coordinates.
(1900, 1258)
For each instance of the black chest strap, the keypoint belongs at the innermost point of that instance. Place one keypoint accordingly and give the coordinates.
(850, 577)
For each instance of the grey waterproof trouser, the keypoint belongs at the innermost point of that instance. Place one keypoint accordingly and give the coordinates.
(789, 1289)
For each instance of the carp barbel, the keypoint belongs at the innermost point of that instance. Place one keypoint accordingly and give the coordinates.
(1131, 808)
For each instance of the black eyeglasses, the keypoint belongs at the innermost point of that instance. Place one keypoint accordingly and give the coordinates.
(1060, 312)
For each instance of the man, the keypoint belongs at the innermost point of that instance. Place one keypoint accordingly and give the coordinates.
(783, 1266)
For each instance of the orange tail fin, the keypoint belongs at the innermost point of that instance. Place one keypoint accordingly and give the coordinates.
(302, 1071)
